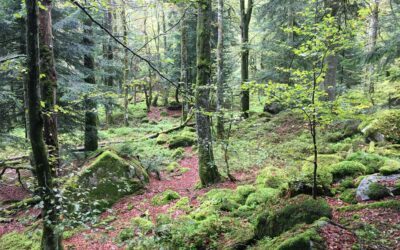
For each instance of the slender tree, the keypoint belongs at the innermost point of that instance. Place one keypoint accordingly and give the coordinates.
(48, 82)
(126, 66)
(51, 239)
(245, 17)
(220, 69)
(207, 169)
(184, 64)
(371, 45)
(91, 138)
(109, 56)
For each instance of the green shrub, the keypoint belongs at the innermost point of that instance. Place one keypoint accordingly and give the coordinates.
(349, 196)
(173, 166)
(126, 234)
(347, 168)
(165, 197)
(377, 191)
(371, 161)
(301, 209)
(142, 225)
(178, 153)
(347, 183)
(183, 139)
(390, 167)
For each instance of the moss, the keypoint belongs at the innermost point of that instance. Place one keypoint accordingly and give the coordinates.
(390, 167)
(301, 209)
(388, 124)
(183, 139)
(142, 225)
(349, 196)
(347, 168)
(393, 204)
(272, 177)
(19, 241)
(182, 204)
(347, 183)
(165, 197)
(184, 170)
(173, 167)
(300, 237)
(377, 191)
(261, 196)
(324, 161)
(217, 200)
(106, 180)
(178, 153)
(162, 139)
(302, 182)
(371, 161)
(126, 234)
(243, 192)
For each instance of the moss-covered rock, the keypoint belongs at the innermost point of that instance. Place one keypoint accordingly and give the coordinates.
(302, 182)
(371, 161)
(301, 237)
(106, 180)
(173, 167)
(388, 124)
(19, 241)
(261, 196)
(183, 139)
(347, 168)
(272, 177)
(244, 191)
(301, 209)
(390, 167)
(178, 153)
(349, 196)
(162, 139)
(165, 197)
(378, 191)
(142, 225)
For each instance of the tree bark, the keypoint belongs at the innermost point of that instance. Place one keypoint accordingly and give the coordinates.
(126, 68)
(245, 17)
(91, 138)
(373, 37)
(48, 82)
(109, 54)
(207, 169)
(184, 65)
(167, 85)
(220, 70)
(51, 239)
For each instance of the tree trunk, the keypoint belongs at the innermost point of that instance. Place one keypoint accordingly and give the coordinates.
(51, 239)
(166, 84)
(91, 138)
(245, 17)
(207, 169)
(48, 83)
(184, 65)
(330, 76)
(109, 54)
(373, 37)
(126, 68)
(220, 70)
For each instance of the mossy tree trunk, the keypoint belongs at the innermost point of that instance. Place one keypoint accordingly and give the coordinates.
(51, 239)
(245, 17)
(126, 66)
(372, 40)
(207, 169)
(48, 82)
(109, 56)
(167, 85)
(184, 65)
(91, 138)
(220, 70)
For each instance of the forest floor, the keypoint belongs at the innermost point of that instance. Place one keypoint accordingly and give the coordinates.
(378, 224)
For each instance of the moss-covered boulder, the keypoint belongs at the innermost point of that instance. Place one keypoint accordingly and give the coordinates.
(301, 209)
(107, 179)
(262, 196)
(183, 139)
(272, 177)
(347, 168)
(349, 196)
(162, 139)
(385, 127)
(372, 162)
(378, 191)
(165, 197)
(20, 241)
(390, 167)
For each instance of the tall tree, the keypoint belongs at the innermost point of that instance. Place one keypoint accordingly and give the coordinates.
(184, 63)
(91, 138)
(126, 66)
(207, 169)
(220, 69)
(48, 82)
(51, 239)
(109, 56)
(245, 17)
(371, 45)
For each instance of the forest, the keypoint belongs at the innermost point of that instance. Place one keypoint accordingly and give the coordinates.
(200, 124)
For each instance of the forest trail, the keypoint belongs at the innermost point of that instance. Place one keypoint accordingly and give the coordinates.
(141, 205)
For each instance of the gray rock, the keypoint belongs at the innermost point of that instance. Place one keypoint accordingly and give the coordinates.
(363, 188)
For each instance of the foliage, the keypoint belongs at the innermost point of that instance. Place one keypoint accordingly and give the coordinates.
(165, 197)
(20, 241)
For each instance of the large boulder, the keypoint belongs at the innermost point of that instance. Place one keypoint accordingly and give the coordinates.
(107, 179)
(364, 189)
(385, 127)
(343, 129)
(273, 108)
